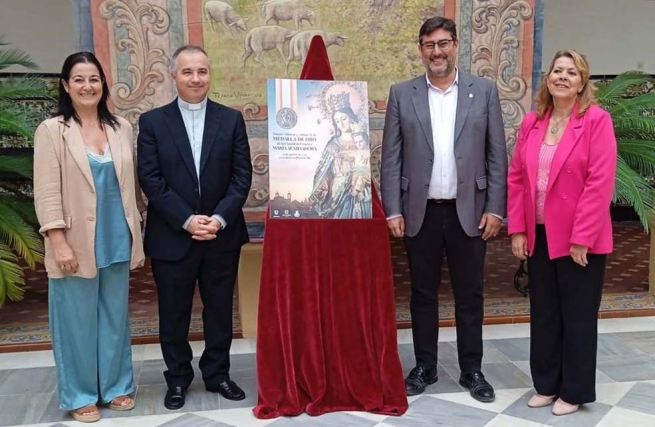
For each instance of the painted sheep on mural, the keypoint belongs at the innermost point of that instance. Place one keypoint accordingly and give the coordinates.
(287, 10)
(223, 13)
(262, 39)
(299, 44)
(383, 3)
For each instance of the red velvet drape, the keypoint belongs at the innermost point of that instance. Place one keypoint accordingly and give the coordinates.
(326, 336)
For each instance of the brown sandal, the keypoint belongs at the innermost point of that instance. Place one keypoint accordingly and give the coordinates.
(117, 404)
(86, 414)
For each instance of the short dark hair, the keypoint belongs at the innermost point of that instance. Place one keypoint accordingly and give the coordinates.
(436, 23)
(65, 107)
(191, 48)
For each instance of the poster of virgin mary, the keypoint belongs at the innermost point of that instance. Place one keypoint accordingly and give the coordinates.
(319, 150)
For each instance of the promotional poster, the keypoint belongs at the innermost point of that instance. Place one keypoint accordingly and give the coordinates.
(319, 149)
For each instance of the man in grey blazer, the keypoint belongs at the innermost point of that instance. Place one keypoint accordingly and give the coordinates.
(443, 183)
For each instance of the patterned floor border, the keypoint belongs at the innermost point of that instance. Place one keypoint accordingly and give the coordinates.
(497, 310)
(517, 309)
(144, 329)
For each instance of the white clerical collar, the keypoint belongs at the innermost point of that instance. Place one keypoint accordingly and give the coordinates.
(455, 82)
(191, 107)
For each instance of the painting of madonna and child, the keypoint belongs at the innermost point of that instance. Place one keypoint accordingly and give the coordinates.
(318, 147)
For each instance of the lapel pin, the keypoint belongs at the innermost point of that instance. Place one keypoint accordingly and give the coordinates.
(470, 95)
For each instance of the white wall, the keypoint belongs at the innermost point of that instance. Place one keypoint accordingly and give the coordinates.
(616, 35)
(41, 28)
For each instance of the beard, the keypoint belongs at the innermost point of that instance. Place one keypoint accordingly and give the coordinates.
(440, 71)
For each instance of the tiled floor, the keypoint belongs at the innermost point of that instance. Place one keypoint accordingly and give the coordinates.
(626, 283)
(625, 390)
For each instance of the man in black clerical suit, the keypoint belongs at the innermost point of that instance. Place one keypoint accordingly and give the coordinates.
(194, 167)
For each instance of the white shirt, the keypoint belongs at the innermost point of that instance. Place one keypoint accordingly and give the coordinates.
(193, 116)
(443, 111)
(194, 122)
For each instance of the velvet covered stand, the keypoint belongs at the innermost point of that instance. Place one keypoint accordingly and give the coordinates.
(326, 335)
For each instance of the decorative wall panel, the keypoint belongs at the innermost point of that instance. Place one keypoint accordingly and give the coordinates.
(250, 40)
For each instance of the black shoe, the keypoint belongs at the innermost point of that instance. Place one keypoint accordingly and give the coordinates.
(418, 379)
(479, 387)
(175, 397)
(228, 389)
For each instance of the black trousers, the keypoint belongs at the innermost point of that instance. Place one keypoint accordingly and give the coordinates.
(215, 272)
(441, 230)
(564, 302)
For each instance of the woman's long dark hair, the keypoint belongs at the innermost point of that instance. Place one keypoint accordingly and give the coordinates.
(66, 108)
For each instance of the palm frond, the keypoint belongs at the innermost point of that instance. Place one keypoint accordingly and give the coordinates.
(20, 236)
(23, 87)
(635, 123)
(626, 134)
(637, 105)
(620, 84)
(21, 165)
(11, 276)
(632, 189)
(14, 122)
(23, 206)
(639, 155)
(16, 57)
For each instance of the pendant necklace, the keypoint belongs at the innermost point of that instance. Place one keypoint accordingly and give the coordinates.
(555, 128)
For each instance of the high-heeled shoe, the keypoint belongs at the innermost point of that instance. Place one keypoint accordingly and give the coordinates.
(539, 401)
(562, 408)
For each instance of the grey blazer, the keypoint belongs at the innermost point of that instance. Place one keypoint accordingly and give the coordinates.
(480, 153)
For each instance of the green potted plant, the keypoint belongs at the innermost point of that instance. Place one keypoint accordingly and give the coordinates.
(631, 102)
(19, 239)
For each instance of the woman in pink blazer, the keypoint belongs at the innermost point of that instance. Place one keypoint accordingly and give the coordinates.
(560, 187)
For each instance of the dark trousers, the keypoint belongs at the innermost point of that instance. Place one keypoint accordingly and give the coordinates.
(215, 272)
(564, 302)
(441, 230)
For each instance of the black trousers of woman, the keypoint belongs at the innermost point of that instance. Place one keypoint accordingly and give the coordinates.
(564, 302)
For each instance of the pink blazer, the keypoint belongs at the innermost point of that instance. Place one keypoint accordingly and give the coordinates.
(580, 185)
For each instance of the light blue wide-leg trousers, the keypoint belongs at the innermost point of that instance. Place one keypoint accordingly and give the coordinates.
(90, 328)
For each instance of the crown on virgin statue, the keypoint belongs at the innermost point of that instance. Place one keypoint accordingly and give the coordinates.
(339, 101)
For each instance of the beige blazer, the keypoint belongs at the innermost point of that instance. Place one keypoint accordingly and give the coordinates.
(64, 193)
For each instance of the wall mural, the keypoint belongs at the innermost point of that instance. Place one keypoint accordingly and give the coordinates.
(251, 40)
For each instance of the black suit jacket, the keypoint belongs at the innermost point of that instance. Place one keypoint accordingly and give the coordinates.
(168, 178)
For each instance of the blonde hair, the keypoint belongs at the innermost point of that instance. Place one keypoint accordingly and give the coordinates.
(586, 98)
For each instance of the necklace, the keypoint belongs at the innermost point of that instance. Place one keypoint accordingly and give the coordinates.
(91, 123)
(555, 128)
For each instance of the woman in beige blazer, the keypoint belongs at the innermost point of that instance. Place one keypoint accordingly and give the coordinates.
(86, 195)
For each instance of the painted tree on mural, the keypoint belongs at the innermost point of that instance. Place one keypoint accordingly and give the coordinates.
(18, 238)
